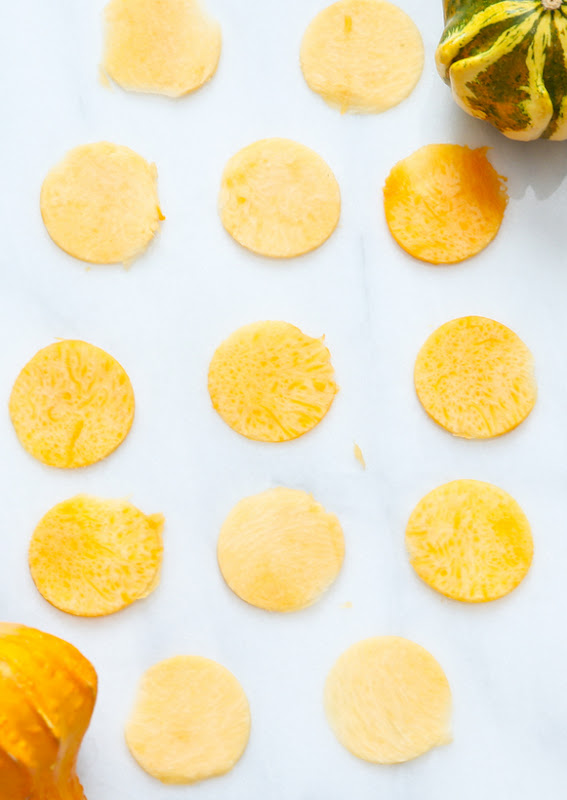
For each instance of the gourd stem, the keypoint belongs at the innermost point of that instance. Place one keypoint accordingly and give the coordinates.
(552, 5)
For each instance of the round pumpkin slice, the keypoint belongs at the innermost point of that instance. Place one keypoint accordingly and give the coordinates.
(280, 549)
(100, 203)
(72, 404)
(362, 55)
(279, 198)
(388, 700)
(475, 378)
(190, 722)
(92, 557)
(470, 541)
(169, 47)
(270, 382)
(444, 203)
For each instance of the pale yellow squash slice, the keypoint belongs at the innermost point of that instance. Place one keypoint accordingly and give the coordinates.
(190, 721)
(279, 198)
(444, 203)
(72, 404)
(280, 550)
(475, 378)
(90, 556)
(100, 203)
(169, 47)
(271, 382)
(388, 700)
(363, 56)
(470, 541)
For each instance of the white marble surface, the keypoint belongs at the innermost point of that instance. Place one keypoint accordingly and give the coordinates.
(163, 318)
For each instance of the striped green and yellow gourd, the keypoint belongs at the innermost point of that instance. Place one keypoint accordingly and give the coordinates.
(506, 62)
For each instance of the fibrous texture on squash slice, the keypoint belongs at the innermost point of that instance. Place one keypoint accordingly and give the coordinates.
(362, 55)
(48, 692)
(190, 721)
(506, 62)
(470, 541)
(90, 556)
(444, 203)
(100, 203)
(72, 404)
(475, 378)
(271, 382)
(280, 550)
(279, 198)
(388, 700)
(169, 47)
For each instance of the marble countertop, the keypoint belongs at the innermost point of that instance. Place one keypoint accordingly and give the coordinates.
(163, 318)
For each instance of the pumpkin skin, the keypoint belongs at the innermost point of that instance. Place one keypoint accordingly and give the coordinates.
(47, 695)
(506, 62)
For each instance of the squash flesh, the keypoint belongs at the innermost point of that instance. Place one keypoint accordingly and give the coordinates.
(388, 701)
(190, 721)
(100, 203)
(271, 382)
(169, 47)
(444, 203)
(475, 378)
(72, 404)
(279, 198)
(362, 56)
(90, 556)
(470, 541)
(280, 550)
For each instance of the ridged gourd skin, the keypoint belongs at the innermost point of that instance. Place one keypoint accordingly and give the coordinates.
(72, 404)
(506, 62)
(271, 382)
(47, 696)
(470, 541)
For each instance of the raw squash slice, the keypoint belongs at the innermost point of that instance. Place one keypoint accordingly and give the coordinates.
(72, 404)
(91, 556)
(506, 62)
(470, 541)
(169, 47)
(388, 700)
(271, 382)
(190, 721)
(100, 203)
(444, 203)
(280, 550)
(475, 378)
(279, 198)
(363, 56)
